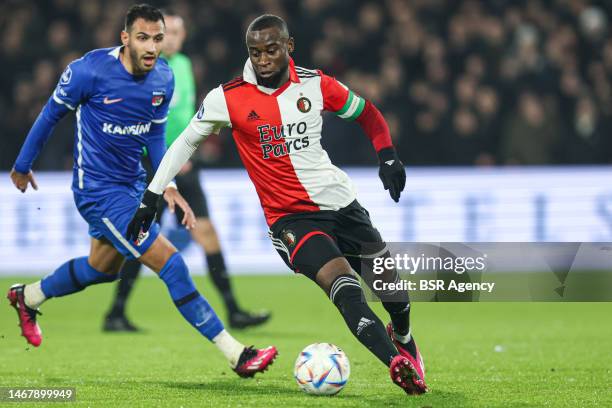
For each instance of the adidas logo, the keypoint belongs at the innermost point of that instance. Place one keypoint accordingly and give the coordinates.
(363, 323)
(390, 162)
(253, 115)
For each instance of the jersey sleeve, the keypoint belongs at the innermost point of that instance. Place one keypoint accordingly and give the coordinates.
(73, 87)
(75, 84)
(212, 115)
(339, 99)
(210, 118)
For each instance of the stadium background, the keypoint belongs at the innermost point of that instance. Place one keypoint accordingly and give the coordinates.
(517, 93)
(460, 82)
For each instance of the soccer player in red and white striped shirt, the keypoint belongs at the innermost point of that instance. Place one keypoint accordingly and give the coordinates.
(316, 223)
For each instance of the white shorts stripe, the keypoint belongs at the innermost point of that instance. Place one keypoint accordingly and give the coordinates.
(280, 245)
(80, 171)
(281, 248)
(162, 120)
(121, 238)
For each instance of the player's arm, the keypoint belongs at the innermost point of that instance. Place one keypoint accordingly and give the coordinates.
(156, 148)
(340, 100)
(70, 91)
(210, 118)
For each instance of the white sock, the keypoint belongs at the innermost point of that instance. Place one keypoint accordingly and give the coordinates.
(402, 339)
(229, 346)
(33, 295)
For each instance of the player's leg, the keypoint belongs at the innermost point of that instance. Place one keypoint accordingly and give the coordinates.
(395, 302)
(163, 258)
(102, 265)
(205, 235)
(308, 249)
(361, 243)
(116, 319)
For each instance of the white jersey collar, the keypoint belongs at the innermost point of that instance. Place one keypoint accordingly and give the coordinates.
(115, 51)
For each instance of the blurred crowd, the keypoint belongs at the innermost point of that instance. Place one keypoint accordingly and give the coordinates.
(460, 82)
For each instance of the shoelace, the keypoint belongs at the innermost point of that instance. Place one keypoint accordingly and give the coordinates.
(247, 354)
(32, 314)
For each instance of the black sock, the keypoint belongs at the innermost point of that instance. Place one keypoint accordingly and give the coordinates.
(346, 294)
(396, 303)
(400, 315)
(127, 277)
(218, 274)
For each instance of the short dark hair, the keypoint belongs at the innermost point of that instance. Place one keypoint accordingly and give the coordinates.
(144, 11)
(268, 21)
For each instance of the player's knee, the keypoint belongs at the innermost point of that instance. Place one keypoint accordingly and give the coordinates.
(331, 271)
(110, 267)
(90, 274)
(158, 254)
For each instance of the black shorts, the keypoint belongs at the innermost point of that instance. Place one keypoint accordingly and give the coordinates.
(190, 188)
(307, 241)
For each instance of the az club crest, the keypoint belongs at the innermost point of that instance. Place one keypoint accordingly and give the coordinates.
(304, 104)
(288, 237)
(158, 98)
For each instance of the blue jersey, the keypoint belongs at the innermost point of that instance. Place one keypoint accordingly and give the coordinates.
(117, 114)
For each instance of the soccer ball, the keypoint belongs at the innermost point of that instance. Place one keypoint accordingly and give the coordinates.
(322, 369)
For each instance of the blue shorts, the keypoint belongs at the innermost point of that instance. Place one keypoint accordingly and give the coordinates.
(108, 214)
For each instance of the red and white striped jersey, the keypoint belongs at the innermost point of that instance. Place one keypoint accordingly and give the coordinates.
(278, 135)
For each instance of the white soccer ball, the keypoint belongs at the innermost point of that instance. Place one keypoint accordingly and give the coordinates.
(322, 369)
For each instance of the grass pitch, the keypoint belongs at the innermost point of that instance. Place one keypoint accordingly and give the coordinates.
(476, 354)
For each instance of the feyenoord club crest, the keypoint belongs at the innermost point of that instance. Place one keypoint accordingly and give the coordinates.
(289, 237)
(158, 98)
(303, 104)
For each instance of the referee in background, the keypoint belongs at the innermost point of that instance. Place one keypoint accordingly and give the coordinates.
(188, 182)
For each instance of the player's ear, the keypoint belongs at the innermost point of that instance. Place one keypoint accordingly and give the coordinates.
(125, 36)
(290, 45)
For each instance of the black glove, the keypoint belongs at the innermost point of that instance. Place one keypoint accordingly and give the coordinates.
(144, 215)
(392, 172)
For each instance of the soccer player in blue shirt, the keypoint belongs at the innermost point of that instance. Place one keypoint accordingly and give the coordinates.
(121, 97)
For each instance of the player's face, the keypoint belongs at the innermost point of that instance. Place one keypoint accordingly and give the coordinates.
(174, 36)
(143, 44)
(269, 53)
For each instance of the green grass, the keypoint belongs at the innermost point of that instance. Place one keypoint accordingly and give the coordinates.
(553, 354)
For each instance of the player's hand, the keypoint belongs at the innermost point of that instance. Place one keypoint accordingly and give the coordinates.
(144, 216)
(392, 172)
(21, 180)
(174, 198)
